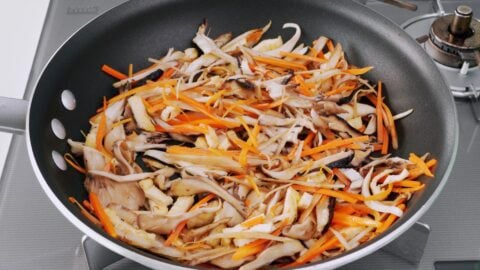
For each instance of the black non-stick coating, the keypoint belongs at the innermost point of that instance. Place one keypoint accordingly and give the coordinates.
(137, 30)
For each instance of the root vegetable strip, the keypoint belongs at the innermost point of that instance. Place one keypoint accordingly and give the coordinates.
(276, 133)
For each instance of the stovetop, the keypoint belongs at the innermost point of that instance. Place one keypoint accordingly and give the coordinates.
(34, 235)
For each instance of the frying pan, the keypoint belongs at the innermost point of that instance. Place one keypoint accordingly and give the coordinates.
(136, 30)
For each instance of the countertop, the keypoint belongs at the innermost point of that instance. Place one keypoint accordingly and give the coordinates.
(21, 23)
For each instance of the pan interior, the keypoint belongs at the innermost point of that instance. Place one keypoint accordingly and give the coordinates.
(135, 31)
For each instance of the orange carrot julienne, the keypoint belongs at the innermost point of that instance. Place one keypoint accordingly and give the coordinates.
(385, 142)
(253, 221)
(176, 232)
(167, 74)
(382, 195)
(302, 87)
(409, 190)
(315, 251)
(421, 164)
(393, 130)
(341, 89)
(183, 129)
(72, 162)
(264, 106)
(341, 177)
(380, 133)
(114, 73)
(334, 144)
(358, 71)
(350, 220)
(330, 45)
(279, 62)
(102, 131)
(84, 211)
(302, 57)
(346, 196)
(102, 216)
(255, 246)
(407, 183)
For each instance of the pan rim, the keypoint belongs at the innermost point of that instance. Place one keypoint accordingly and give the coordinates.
(158, 262)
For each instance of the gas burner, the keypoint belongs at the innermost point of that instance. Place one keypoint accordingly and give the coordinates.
(453, 41)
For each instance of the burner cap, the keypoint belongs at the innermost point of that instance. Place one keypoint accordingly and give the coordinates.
(455, 38)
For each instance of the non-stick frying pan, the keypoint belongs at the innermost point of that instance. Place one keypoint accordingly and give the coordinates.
(136, 30)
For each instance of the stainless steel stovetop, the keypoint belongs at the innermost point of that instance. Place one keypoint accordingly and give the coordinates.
(34, 235)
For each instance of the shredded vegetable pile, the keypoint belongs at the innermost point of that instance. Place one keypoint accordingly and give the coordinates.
(243, 152)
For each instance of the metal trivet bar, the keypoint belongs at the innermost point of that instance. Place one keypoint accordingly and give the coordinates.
(409, 247)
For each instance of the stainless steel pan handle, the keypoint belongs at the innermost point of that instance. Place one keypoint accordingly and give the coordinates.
(13, 115)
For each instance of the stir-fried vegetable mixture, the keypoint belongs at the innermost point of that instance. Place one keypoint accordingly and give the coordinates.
(245, 153)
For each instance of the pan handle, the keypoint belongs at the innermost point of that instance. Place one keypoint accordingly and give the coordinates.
(13, 114)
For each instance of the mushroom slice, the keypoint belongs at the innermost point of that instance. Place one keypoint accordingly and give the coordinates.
(301, 231)
(324, 213)
(272, 253)
(140, 238)
(181, 205)
(124, 213)
(228, 211)
(359, 157)
(115, 134)
(227, 262)
(291, 204)
(359, 109)
(191, 186)
(164, 224)
(285, 174)
(123, 178)
(338, 124)
(93, 159)
(328, 108)
(246, 39)
(207, 255)
(207, 45)
(212, 162)
(128, 195)
(76, 147)
(153, 193)
(140, 113)
(190, 235)
(371, 126)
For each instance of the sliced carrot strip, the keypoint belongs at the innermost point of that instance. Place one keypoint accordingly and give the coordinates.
(102, 216)
(408, 190)
(114, 73)
(72, 162)
(334, 144)
(279, 62)
(382, 195)
(380, 133)
(316, 250)
(346, 196)
(302, 57)
(421, 164)
(359, 71)
(253, 221)
(350, 220)
(407, 183)
(385, 143)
